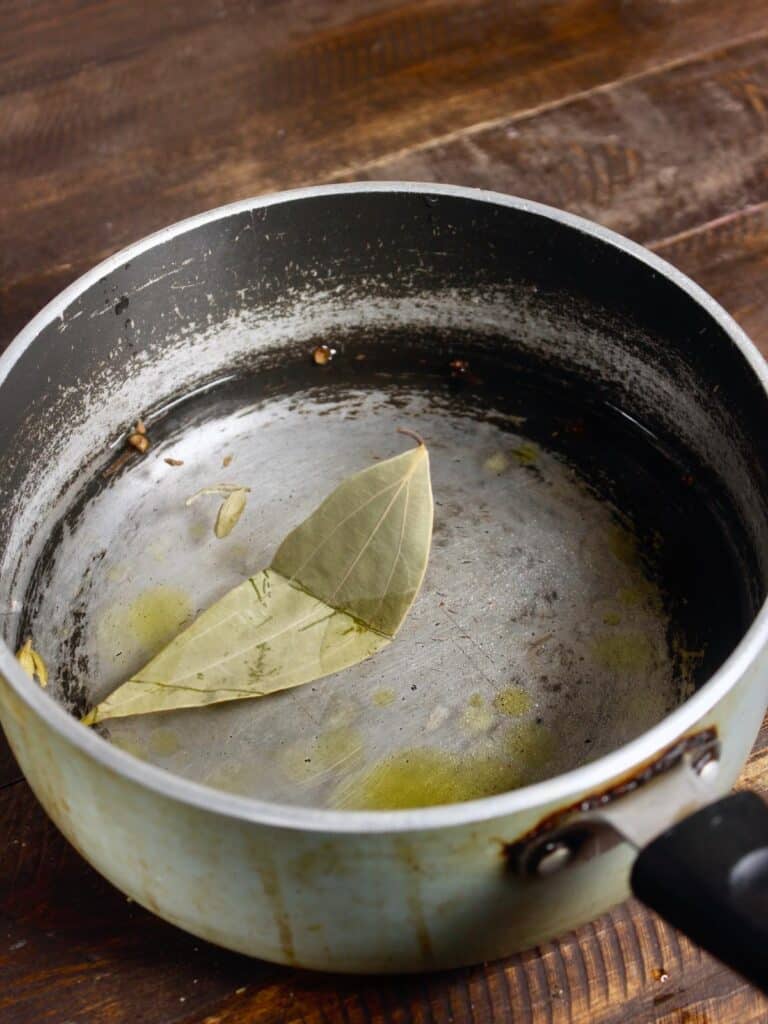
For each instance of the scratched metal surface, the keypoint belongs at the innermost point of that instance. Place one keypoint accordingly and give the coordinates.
(523, 573)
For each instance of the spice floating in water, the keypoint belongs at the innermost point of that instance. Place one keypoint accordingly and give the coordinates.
(138, 438)
(384, 697)
(136, 441)
(331, 598)
(32, 663)
(512, 701)
(235, 497)
(322, 355)
(174, 462)
(231, 509)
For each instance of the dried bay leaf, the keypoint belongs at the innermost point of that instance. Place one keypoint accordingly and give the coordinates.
(336, 592)
(365, 549)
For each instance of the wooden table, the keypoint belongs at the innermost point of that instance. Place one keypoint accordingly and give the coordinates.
(117, 117)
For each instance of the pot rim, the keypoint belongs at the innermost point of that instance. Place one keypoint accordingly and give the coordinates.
(560, 789)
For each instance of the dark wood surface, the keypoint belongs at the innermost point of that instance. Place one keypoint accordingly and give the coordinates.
(117, 117)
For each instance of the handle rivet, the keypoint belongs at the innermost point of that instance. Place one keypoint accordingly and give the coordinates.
(709, 769)
(554, 857)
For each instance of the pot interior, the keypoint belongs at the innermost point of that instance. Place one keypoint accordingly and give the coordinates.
(600, 525)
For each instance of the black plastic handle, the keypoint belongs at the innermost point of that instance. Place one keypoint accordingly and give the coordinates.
(708, 876)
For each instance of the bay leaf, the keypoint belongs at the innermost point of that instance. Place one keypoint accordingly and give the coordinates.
(336, 592)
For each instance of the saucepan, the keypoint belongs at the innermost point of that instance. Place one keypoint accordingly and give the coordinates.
(583, 673)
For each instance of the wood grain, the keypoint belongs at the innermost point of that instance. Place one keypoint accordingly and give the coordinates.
(118, 117)
(729, 257)
(650, 157)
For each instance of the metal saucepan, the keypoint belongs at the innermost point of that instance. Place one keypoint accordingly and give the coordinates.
(584, 667)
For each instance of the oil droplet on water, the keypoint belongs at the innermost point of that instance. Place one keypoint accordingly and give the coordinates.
(416, 778)
(141, 628)
(641, 706)
(437, 716)
(642, 593)
(532, 746)
(625, 651)
(476, 716)
(340, 711)
(337, 748)
(383, 698)
(496, 463)
(118, 572)
(512, 701)
(622, 544)
(425, 777)
(159, 549)
(130, 745)
(164, 742)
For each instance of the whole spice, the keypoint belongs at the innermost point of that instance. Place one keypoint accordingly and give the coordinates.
(231, 508)
(138, 438)
(32, 663)
(229, 513)
(322, 355)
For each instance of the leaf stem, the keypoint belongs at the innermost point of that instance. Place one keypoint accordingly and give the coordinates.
(411, 433)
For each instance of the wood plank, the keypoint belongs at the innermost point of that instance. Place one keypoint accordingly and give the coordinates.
(650, 157)
(103, 135)
(729, 258)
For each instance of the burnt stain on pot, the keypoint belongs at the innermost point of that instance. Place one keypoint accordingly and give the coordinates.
(701, 747)
(268, 871)
(413, 867)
